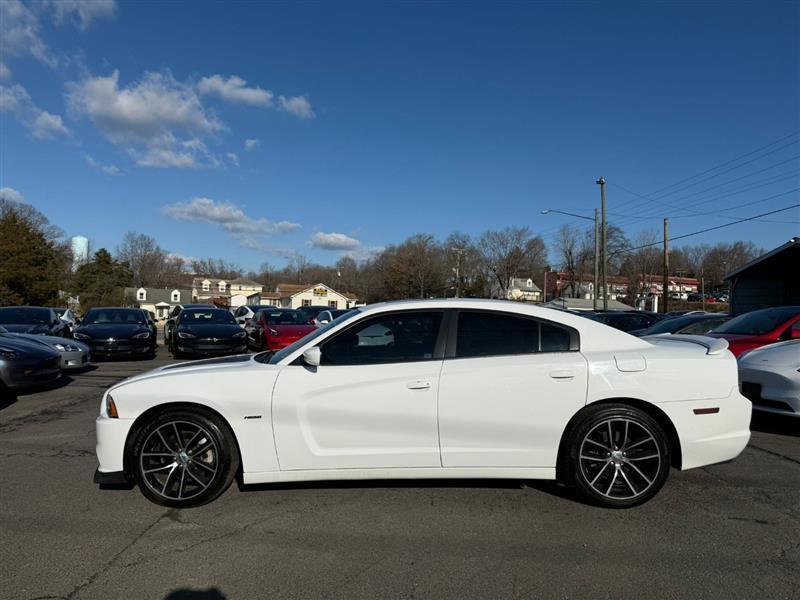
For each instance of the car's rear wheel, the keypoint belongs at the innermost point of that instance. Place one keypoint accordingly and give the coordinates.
(183, 458)
(619, 456)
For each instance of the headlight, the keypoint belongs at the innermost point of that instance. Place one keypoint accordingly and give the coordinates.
(81, 336)
(241, 334)
(142, 336)
(9, 353)
(185, 335)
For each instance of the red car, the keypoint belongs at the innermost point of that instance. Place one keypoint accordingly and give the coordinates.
(276, 328)
(759, 328)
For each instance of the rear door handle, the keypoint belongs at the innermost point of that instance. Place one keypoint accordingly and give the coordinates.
(418, 385)
(562, 374)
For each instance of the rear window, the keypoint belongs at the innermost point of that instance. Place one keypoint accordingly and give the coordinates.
(499, 334)
(758, 322)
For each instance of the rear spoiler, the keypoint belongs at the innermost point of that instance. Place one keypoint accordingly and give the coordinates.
(712, 345)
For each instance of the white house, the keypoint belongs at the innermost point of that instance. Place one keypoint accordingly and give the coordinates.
(158, 301)
(524, 290)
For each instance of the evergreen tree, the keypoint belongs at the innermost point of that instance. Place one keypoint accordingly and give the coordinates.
(101, 281)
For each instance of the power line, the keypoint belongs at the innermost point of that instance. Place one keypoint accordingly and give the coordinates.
(707, 229)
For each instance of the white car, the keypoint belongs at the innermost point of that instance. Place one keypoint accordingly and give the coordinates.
(770, 377)
(461, 388)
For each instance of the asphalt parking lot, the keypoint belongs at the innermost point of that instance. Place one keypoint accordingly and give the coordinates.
(725, 531)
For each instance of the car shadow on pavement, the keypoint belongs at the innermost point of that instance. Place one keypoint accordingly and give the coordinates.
(187, 594)
(549, 487)
(778, 424)
(9, 397)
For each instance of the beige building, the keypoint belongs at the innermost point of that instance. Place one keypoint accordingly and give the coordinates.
(296, 295)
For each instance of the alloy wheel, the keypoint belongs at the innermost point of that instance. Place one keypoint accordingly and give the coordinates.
(179, 460)
(620, 458)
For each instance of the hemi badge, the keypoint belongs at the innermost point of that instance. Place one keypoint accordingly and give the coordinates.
(259, 416)
(701, 411)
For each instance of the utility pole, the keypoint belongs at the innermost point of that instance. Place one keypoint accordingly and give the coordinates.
(596, 280)
(602, 183)
(459, 252)
(665, 288)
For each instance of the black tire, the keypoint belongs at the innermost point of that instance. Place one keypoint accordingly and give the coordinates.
(618, 456)
(190, 472)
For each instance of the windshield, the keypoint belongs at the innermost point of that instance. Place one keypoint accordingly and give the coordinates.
(281, 354)
(668, 325)
(207, 317)
(25, 316)
(114, 316)
(284, 317)
(758, 322)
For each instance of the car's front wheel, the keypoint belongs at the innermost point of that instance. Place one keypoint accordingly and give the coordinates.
(183, 458)
(619, 456)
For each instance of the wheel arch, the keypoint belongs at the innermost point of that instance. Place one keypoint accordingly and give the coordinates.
(647, 407)
(160, 408)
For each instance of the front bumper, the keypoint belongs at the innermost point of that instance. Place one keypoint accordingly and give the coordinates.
(30, 372)
(111, 437)
(74, 360)
(771, 391)
(121, 348)
(208, 348)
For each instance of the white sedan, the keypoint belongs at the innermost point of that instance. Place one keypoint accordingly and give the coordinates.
(460, 389)
(770, 377)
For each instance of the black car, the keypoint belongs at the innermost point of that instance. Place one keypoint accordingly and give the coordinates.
(310, 312)
(169, 324)
(33, 319)
(207, 332)
(117, 332)
(24, 364)
(628, 320)
(694, 324)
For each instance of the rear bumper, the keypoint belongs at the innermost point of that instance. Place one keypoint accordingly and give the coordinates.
(111, 478)
(714, 437)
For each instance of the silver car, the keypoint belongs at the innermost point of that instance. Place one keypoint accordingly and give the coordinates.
(74, 354)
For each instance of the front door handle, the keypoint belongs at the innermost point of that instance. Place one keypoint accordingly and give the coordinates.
(562, 374)
(418, 385)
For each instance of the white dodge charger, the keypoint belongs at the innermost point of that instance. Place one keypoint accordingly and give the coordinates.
(432, 389)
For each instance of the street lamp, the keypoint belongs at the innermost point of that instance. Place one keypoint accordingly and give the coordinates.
(596, 247)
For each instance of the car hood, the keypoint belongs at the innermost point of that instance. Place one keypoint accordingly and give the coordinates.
(199, 367)
(23, 345)
(115, 330)
(50, 340)
(212, 330)
(293, 329)
(783, 354)
(24, 328)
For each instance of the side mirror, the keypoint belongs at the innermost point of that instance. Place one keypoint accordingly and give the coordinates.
(312, 356)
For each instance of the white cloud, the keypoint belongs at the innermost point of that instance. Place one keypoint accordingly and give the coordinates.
(251, 144)
(225, 215)
(81, 12)
(107, 169)
(21, 23)
(42, 124)
(144, 110)
(10, 194)
(47, 125)
(157, 119)
(299, 106)
(20, 30)
(234, 89)
(233, 158)
(5, 72)
(334, 241)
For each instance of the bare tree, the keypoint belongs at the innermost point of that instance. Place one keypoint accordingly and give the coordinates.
(507, 253)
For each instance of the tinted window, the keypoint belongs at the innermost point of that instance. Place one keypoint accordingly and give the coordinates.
(702, 326)
(554, 338)
(392, 338)
(282, 317)
(206, 317)
(109, 316)
(26, 316)
(492, 334)
(758, 322)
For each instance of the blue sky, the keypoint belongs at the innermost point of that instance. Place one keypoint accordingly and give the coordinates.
(375, 121)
